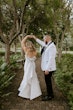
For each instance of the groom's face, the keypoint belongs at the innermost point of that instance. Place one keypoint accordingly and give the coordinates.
(46, 39)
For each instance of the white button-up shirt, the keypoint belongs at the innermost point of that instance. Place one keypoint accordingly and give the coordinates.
(48, 61)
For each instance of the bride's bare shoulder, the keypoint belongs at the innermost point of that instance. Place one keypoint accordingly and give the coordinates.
(35, 53)
(31, 54)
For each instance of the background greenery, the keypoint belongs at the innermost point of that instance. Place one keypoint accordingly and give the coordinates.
(64, 77)
(7, 74)
(21, 17)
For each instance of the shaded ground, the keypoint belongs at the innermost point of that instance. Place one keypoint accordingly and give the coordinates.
(13, 102)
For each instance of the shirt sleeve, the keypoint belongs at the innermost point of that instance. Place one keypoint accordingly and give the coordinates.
(40, 42)
(52, 55)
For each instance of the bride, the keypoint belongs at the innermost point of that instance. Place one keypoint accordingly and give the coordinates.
(29, 87)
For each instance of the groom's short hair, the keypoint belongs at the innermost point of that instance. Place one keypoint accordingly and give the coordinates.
(47, 35)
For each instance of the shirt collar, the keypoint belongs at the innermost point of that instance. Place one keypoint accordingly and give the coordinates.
(49, 42)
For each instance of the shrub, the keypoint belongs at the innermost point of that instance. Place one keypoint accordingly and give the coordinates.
(5, 79)
(64, 77)
(7, 73)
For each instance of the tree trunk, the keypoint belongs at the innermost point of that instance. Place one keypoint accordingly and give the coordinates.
(57, 42)
(7, 53)
(15, 47)
(57, 39)
(22, 54)
(59, 55)
(61, 46)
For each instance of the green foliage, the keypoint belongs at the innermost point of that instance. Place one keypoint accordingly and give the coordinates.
(15, 57)
(2, 53)
(6, 77)
(7, 73)
(64, 77)
(71, 48)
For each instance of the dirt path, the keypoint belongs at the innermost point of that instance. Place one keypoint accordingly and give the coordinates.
(13, 102)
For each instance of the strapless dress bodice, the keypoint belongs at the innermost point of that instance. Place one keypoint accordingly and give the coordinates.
(30, 58)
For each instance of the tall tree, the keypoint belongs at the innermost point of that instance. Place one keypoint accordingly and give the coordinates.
(11, 22)
(37, 17)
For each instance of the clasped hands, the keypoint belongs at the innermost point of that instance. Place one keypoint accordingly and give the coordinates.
(31, 36)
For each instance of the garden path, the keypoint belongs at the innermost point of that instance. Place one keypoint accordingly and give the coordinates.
(13, 102)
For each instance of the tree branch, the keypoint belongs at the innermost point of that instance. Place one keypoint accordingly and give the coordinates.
(24, 11)
(2, 36)
(14, 37)
(21, 18)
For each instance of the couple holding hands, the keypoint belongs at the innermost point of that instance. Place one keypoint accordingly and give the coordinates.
(30, 87)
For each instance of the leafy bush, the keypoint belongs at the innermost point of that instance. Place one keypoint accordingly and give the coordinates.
(2, 53)
(5, 78)
(7, 74)
(15, 57)
(64, 77)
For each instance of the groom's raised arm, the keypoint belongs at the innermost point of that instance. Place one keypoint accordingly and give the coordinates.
(39, 41)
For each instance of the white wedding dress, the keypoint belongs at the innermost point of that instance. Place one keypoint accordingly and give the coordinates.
(29, 87)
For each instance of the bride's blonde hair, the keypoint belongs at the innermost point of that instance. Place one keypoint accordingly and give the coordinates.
(30, 46)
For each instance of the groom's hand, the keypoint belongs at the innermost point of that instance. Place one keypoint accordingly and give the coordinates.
(34, 37)
(46, 72)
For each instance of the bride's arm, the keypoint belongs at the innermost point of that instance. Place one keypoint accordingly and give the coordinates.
(23, 43)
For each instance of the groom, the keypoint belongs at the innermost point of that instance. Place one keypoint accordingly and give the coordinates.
(48, 63)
